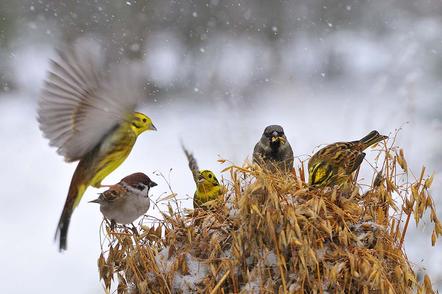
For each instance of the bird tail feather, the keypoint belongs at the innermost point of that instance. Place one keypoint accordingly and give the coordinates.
(75, 194)
(193, 165)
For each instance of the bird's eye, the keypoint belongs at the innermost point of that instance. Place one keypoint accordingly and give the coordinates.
(144, 120)
(210, 176)
(139, 187)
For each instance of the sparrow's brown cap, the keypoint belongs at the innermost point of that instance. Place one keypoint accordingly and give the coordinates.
(137, 178)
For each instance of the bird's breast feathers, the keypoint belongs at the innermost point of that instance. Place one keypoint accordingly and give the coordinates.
(206, 193)
(113, 150)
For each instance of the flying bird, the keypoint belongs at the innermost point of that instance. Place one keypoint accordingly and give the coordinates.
(87, 111)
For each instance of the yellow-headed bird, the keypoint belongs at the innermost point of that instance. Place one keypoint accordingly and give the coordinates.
(207, 186)
(334, 164)
(87, 111)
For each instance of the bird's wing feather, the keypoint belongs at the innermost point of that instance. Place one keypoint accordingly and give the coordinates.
(341, 154)
(287, 151)
(259, 152)
(115, 193)
(355, 161)
(81, 101)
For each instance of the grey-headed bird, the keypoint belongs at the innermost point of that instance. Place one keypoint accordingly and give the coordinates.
(273, 150)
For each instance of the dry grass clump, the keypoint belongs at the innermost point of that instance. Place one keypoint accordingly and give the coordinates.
(273, 234)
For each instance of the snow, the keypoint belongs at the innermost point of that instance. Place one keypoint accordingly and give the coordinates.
(35, 178)
(321, 88)
(187, 282)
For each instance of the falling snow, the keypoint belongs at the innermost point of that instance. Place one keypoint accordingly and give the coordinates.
(216, 73)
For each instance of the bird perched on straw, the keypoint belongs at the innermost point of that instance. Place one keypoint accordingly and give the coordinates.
(273, 150)
(334, 164)
(207, 186)
(86, 110)
(126, 201)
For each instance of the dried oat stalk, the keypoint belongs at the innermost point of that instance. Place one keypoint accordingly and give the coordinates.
(275, 235)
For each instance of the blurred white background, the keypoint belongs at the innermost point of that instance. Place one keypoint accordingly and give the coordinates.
(218, 73)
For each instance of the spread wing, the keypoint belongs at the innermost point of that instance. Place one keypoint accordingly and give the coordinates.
(82, 100)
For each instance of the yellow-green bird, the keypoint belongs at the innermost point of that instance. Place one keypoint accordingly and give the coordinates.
(208, 187)
(334, 164)
(86, 110)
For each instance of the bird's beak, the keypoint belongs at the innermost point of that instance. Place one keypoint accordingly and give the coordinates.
(152, 128)
(200, 179)
(152, 184)
(277, 137)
